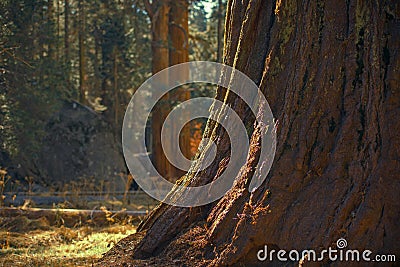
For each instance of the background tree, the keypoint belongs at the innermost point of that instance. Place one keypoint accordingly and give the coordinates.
(170, 46)
(66, 31)
(82, 52)
(93, 52)
(179, 53)
(206, 30)
(32, 81)
(58, 50)
(220, 14)
(329, 71)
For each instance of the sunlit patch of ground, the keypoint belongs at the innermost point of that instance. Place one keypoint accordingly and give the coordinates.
(59, 246)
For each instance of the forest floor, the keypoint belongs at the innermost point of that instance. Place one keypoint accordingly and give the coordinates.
(58, 246)
(75, 232)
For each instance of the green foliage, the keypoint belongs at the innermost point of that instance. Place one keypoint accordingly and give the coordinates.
(32, 83)
(40, 60)
(203, 29)
(198, 16)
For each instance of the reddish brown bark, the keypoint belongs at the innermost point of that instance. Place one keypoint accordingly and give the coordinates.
(159, 15)
(179, 32)
(179, 53)
(329, 70)
(169, 47)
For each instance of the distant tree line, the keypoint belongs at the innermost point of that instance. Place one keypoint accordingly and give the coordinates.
(95, 52)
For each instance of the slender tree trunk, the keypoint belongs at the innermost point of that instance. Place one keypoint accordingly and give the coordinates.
(82, 53)
(159, 14)
(58, 30)
(220, 19)
(66, 31)
(169, 21)
(50, 22)
(159, 28)
(179, 32)
(43, 35)
(329, 70)
(116, 101)
(97, 83)
(179, 53)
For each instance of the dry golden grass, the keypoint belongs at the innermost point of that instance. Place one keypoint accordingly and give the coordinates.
(30, 237)
(59, 246)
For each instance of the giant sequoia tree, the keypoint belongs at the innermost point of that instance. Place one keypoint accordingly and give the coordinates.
(329, 70)
(169, 31)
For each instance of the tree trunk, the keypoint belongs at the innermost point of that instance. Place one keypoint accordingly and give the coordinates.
(169, 20)
(66, 31)
(220, 16)
(159, 28)
(179, 53)
(97, 83)
(158, 12)
(50, 23)
(58, 30)
(82, 53)
(178, 32)
(116, 102)
(329, 70)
